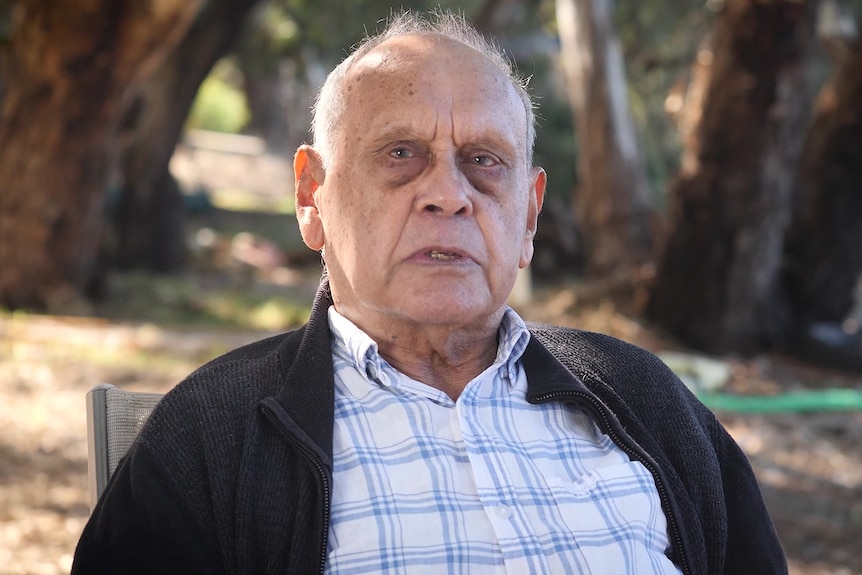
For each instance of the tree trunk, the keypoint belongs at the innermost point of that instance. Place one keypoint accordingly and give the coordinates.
(148, 217)
(612, 200)
(70, 69)
(263, 92)
(731, 202)
(823, 250)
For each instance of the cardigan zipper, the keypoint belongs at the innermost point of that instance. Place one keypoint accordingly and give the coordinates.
(624, 443)
(323, 476)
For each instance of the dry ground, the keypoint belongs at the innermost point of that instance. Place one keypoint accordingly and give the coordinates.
(810, 465)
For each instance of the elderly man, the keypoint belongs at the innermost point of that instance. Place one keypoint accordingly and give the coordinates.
(416, 424)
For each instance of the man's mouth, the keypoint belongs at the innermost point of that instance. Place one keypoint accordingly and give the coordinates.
(443, 256)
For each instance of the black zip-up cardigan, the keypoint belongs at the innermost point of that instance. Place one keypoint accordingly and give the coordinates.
(232, 474)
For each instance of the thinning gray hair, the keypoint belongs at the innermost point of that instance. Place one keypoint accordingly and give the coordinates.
(329, 105)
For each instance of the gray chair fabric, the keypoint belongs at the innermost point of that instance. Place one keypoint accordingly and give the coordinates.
(114, 419)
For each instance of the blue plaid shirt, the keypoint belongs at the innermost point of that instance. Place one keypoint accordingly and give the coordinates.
(486, 484)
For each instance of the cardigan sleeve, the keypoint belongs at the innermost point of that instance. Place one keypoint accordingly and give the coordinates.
(752, 542)
(142, 526)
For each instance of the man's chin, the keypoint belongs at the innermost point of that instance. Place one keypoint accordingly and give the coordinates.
(446, 311)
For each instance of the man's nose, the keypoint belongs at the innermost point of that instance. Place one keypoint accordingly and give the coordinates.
(446, 192)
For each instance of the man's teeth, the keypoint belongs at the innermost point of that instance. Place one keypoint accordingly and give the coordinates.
(443, 256)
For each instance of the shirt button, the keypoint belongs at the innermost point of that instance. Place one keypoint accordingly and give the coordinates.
(503, 511)
(371, 372)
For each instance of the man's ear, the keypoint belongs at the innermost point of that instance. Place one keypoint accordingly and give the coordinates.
(309, 175)
(538, 180)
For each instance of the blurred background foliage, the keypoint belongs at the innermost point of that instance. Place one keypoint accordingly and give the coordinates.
(220, 104)
(250, 69)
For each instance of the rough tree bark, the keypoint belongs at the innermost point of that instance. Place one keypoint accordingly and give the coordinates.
(147, 221)
(612, 200)
(731, 201)
(823, 249)
(69, 71)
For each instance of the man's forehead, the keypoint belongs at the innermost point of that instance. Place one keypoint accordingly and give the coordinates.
(427, 61)
(428, 51)
(432, 77)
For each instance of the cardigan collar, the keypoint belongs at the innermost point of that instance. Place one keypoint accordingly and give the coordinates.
(307, 394)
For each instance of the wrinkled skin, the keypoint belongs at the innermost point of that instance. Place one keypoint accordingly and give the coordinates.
(427, 207)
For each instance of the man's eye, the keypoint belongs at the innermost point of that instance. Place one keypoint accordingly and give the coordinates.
(483, 161)
(401, 153)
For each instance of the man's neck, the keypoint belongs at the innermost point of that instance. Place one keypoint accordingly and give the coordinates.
(442, 356)
(447, 363)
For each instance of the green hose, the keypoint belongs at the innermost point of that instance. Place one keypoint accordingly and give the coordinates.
(792, 401)
(705, 375)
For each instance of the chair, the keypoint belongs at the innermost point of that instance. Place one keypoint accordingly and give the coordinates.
(114, 419)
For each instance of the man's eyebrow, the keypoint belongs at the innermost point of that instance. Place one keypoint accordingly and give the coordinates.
(492, 138)
(394, 134)
(493, 141)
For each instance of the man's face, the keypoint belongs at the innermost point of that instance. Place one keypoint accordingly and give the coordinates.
(428, 206)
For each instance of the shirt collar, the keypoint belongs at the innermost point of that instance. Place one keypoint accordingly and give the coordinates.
(356, 347)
